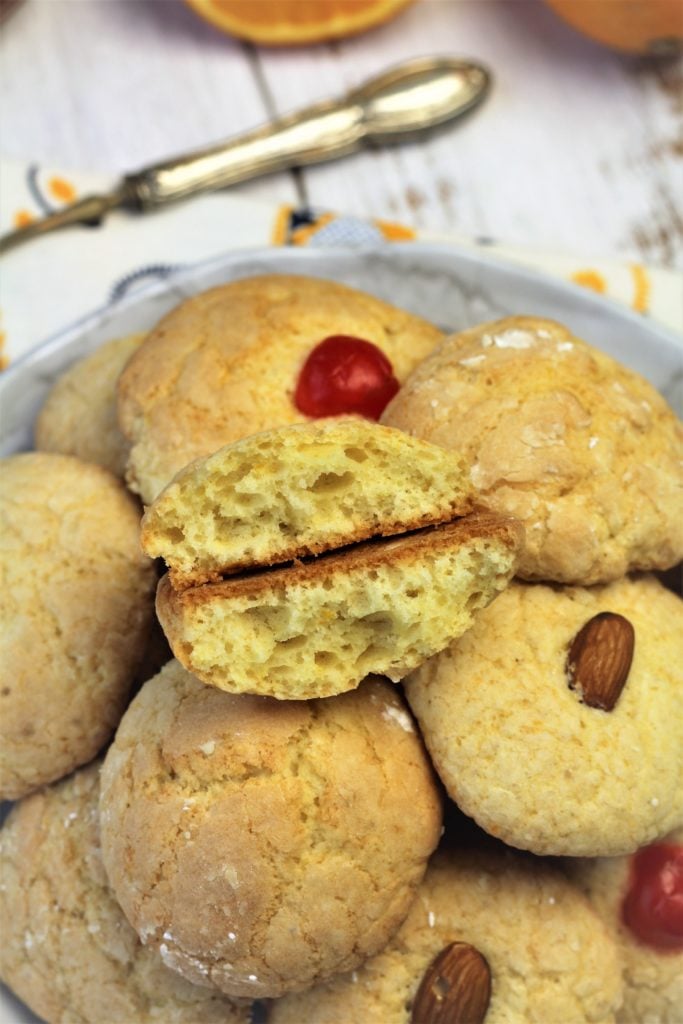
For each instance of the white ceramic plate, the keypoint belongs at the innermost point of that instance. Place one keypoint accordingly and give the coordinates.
(450, 287)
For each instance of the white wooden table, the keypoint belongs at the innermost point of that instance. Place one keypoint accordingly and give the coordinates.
(577, 150)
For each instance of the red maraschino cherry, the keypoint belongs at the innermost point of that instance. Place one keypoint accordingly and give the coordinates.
(653, 906)
(345, 375)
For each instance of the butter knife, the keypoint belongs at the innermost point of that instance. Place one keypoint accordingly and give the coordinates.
(397, 106)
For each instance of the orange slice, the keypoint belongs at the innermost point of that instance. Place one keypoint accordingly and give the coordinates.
(287, 22)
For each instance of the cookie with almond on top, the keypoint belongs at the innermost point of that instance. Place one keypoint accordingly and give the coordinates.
(556, 721)
(494, 937)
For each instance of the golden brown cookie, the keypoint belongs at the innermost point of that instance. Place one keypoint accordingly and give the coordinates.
(317, 628)
(501, 923)
(300, 490)
(76, 599)
(225, 364)
(79, 414)
(546, 733)
(67, 950)
(640, 899)
(584, 451)
(263, 846)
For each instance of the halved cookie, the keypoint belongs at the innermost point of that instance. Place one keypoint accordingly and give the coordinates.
(317, 628)
(298, 491)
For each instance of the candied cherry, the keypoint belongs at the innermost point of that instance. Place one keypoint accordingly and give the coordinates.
(653, 906)
(345, 375)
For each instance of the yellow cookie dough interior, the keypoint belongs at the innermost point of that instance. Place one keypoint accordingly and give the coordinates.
(317, 630)
(300, 490)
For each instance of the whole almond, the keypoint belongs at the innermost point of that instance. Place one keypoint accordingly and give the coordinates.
(455, 989)
(599, 659)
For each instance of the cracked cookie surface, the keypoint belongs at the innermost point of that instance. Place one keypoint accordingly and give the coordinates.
(225, 364)
(67, 948)
(584, 451)
(550, 957)
(76, 595)
(259, 845)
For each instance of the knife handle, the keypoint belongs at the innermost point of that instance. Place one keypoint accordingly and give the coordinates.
(397, 106)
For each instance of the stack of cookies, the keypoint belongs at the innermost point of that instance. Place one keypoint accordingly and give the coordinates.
(404, 665)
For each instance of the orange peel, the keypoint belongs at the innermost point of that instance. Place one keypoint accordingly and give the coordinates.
(292, 22)
(652, 27)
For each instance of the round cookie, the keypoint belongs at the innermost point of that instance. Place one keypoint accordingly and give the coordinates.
(584, 451)
(653, 973)
(76, 595)
(225, 364)
(67, 949)
(263, 846)
(527, 756)
(79, 414)
(549, 957)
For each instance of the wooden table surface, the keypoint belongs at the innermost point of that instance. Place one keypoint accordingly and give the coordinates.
(577, 149)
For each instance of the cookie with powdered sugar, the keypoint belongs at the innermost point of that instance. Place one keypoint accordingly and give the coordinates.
(581, 449)
(67, 950)
(263, 846)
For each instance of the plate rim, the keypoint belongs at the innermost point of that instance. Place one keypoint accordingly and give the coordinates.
(98, 315)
